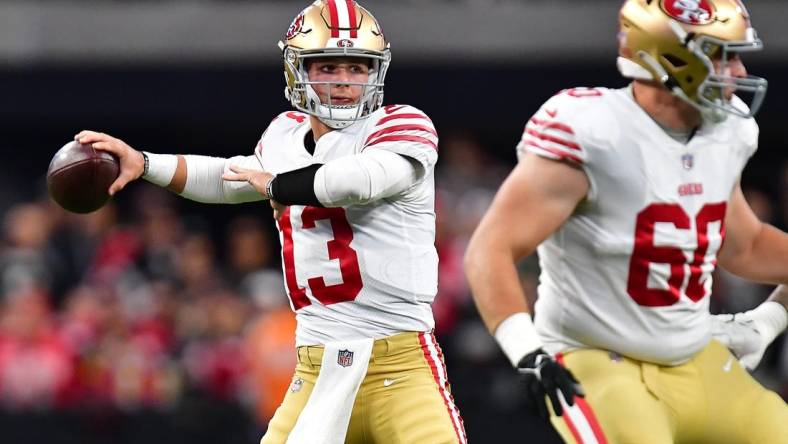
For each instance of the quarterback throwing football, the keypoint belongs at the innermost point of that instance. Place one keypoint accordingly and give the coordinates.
(352, 185)
(627, 195)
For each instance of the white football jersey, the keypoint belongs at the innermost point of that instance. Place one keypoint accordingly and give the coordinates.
(630, 270)
(367, 270)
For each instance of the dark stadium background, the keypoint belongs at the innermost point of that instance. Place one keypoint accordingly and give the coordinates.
(193, 104)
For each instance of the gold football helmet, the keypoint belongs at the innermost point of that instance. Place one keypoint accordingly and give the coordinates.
(676, 43)
(334, 28)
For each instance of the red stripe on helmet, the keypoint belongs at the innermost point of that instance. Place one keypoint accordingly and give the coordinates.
(351, 12)
(334, 25)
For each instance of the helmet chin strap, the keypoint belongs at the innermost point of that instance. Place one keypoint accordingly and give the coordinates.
(632, 70)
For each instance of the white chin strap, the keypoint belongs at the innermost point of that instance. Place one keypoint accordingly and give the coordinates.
(632, 70)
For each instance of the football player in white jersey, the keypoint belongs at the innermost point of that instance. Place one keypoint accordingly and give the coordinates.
(627, 196)
(352, 184)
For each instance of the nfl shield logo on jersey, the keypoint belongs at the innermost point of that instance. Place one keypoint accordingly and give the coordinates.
(687, 161)
(345, 358)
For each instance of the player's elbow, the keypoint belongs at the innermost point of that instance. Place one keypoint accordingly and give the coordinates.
(477, 256)
(347, 192)
(339, 184)
(734, 262)
(760, 258)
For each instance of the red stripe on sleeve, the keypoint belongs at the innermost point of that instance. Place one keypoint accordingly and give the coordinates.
(403, 138)
(402, 116)
(555, 125)
(332, 10)
(553, 139)
(560, 154)
(395, 128)
(351, 12)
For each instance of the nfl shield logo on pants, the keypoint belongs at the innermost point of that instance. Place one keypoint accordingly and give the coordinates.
(345, 358)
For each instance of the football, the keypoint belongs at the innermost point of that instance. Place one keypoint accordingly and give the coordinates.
(79, 177)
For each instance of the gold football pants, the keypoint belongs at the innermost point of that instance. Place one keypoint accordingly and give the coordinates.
(404, 398)
(711, 399)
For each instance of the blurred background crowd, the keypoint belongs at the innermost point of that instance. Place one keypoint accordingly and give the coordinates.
(159, 320)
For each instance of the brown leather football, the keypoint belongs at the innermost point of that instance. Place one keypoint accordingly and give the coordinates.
(79, 177)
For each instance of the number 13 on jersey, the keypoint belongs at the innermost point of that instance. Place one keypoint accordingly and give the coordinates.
(338, 249)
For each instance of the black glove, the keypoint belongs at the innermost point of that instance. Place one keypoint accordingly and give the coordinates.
(541, 375)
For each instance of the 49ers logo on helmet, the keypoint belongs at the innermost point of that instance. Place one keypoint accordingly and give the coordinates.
(694, 12)
(296, 26)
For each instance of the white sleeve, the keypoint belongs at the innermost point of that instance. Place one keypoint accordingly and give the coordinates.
(365, 177)
(204, 181)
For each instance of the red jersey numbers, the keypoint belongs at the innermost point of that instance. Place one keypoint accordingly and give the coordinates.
(647, 252)
(338, 248)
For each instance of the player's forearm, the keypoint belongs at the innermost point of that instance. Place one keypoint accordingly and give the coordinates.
(199, 178)
(764, 260)
(499, 297)
(494, 282)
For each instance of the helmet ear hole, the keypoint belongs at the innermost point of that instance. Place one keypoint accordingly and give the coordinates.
(690, 79)
(674, 61)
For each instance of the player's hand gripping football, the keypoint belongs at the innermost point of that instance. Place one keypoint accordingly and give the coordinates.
(542, 376)
(132, 163)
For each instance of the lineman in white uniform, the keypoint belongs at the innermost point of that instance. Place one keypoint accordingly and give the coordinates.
(352, 186)
(652, 200)
(628, 195)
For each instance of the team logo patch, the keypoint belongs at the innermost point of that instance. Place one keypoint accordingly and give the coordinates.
(345, 43)
(297, 384)
(345, 358)
(296, 26)
(693, 12)
(687, 161)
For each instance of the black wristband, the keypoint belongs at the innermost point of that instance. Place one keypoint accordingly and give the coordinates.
(296, 187)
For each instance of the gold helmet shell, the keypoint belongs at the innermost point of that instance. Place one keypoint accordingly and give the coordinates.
(334, 28)
(675, 43)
